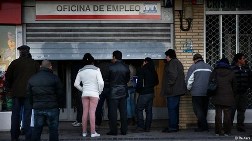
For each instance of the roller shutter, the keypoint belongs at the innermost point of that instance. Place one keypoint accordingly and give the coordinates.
(69, 41)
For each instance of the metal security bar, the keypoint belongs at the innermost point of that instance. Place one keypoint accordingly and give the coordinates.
(227, 35)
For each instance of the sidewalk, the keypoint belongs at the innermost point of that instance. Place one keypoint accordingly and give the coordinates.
(69, 133)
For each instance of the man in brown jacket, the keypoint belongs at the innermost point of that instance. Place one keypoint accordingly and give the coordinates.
(17, 75)
(173, 87)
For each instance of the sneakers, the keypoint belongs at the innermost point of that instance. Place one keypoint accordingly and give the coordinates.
(95, 135)
(84, 134)
(92, 135)
(76, 124)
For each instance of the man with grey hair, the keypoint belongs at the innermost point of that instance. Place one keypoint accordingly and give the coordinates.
(197, 82)
(46, 95)
(17, 76)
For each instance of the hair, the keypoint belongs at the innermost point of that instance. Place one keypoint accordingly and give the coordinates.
(117, 54)
(224, 60)
(88, 59)
(150, 64)
(197, 56)
(237, 57)
(171, 53)
(46, 64)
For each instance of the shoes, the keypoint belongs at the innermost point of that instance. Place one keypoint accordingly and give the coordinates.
(241, 129)
(95, 135)
(147, 130)
(111, 133)
(227, 134)
(22, 132)
(123, 133)
(139, 129)
(167, 130)
(219, 133)
(200, 130)
(76, 124)
(84, 134)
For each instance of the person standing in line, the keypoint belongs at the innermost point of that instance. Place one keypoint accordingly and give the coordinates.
(119, 76)
(17, 76)
(197, 83)
(46, 96)
(223, 99)
(147, 80)
(131, 104)
(172, 88)
(244, 82)
(104, 67)
(92, 86)
(77, 96)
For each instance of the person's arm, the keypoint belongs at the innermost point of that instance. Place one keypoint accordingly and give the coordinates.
(60, 93)
(9, 77)
(100, 81)
(29, 92)
(172, 73)
(140, 81)
(77, 82)
(190, 78)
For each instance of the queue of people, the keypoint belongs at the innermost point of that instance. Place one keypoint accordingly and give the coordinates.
(39, 89)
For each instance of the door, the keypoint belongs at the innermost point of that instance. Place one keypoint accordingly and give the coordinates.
(67, 71)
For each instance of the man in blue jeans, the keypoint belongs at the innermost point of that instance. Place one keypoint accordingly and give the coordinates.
(172, 88)
(46, 95)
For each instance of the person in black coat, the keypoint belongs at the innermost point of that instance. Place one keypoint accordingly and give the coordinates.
(147, 79)
(46, 96)
(119, 76)
(16, 78)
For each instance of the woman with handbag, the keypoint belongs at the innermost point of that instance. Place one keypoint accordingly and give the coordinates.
(223, 98)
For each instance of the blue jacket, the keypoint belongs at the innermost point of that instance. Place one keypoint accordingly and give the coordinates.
(198, 77)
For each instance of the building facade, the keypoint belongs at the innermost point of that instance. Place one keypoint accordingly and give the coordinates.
(63, 31)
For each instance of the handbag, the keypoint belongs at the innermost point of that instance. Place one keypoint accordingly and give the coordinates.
(212, 86)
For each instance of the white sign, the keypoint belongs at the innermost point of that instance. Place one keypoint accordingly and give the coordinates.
(96, 10)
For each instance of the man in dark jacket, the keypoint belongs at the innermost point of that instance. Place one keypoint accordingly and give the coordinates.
(147, 80)
(173, 87)
(17, 75)
(46, 95)
(243, 78)
(119, 76)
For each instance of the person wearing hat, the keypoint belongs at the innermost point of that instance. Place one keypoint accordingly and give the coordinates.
(197, 79)
(223, 99)
(172, 88)
(147, 80)
(17, 75)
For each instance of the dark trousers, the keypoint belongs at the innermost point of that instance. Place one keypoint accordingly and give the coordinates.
(52, 118)
(227, 120)
(200, 108)
(173, 112)
(18, 103)
(79, 107)
(144, 102)
(121, 104)
(241, 101)
(99, 109)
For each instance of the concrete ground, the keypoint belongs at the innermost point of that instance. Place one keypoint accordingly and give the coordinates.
(69, 133)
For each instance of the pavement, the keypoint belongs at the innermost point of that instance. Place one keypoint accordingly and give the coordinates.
(69, 133)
